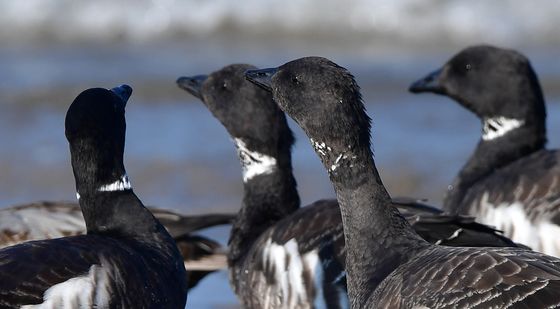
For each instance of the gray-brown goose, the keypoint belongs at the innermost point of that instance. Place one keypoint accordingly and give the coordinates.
(127, 259)
(511, 181)
(389, 265)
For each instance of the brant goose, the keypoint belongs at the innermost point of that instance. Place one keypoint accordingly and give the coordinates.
(510, 181)
(283, 256)
(388, 264)
(127, 259)
(47, 220)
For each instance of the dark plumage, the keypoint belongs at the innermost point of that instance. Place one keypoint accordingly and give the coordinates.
(510, 181)
(271, 228)
(127, 259)
(47, 220)
(388, 264)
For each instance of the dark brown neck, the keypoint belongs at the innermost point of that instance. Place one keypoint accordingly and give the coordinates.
(119, 213)
(378, 239)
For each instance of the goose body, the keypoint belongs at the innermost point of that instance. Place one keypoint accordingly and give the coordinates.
(511, 181)
(48, 220)
(127, 259)
(522, 199)
(388, 264)
(300, 261)
(281, 255)
(87, 272)
(471, 278)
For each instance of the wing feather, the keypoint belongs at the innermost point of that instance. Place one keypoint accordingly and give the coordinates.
(470, 277)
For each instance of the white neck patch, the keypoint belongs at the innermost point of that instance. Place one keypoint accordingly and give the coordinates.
(320, 147)
(499, 126)
(323, 149)
(119, 185)
(253, 163)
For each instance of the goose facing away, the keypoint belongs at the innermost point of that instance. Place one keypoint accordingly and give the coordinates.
(511, 181)
(47, 220)
(127, 259)
(310, 237)
(388, 265)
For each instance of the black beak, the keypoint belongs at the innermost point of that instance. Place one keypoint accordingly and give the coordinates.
(192, 84)
(262, 78)
(430, 83)
(123, 91)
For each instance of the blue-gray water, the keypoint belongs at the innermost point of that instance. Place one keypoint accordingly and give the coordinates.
(178, 156)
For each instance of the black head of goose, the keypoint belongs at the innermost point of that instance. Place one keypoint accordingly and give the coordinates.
(55, 219)
(388, 264)
(511, 180)
(250, 115)
(127, 259)
(263, 141)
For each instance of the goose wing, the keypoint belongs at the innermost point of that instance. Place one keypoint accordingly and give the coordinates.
(532, 182)
(49, 220)
(30, 269)
(446, 277)
(41, 220)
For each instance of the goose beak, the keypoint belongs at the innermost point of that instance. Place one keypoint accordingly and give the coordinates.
(123, 91)
(262, 78)
(193, 84)
(430, 83)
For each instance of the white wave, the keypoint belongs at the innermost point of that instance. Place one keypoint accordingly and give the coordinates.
(454, 20)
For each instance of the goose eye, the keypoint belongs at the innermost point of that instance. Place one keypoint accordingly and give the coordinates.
(224, 85)
(295, 79)
(468, 67)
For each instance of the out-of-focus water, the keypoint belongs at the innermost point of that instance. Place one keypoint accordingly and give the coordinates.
(178, 156)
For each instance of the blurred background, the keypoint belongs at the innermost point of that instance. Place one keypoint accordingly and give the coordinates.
(178, 156)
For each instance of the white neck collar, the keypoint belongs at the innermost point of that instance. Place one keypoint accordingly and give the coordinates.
(253, 163)
(119, 185)
(499, 126)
